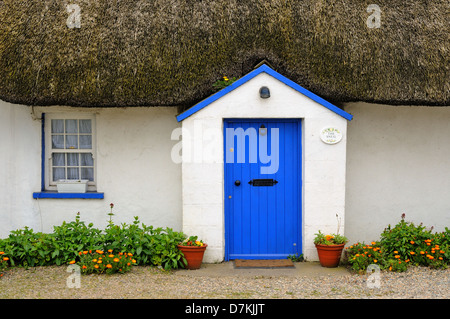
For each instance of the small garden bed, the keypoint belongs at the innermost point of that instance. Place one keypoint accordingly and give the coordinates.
(399, 247)
(114, 249)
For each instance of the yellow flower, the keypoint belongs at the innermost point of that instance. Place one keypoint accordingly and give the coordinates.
(225, 78)
(375, 260)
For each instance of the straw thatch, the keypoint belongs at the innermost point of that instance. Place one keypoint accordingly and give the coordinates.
(170, 52)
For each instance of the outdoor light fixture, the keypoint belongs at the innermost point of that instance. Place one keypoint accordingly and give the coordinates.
(264, 92)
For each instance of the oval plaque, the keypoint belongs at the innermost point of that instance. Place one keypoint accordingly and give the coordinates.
(331, 135)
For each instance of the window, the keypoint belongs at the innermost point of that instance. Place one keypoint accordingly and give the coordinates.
(69, 149)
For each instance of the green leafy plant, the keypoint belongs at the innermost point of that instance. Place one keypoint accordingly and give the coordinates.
(149, 246)
(403, 245)
(223, 83)
(296, 257)
(192, 241)
(331, 239)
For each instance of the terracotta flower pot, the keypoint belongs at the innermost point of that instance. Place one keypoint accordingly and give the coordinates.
(193, 255)
(329, 255)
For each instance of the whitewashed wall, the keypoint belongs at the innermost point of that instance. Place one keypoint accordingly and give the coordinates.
(134, 170)
(398, 161)
(202, 172)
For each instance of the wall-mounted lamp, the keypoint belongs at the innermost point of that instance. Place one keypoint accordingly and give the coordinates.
(264, 92)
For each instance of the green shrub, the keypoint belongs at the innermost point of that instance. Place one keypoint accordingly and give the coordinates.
(402, 245)
(148, 245)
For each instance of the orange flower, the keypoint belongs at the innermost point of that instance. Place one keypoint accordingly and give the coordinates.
(412, 242)
(395, 252)
(72, 262)
(110, 250)
(111, 256)
(442, 252)
(412, 253)
(2, 252)
(130, 254)
(422, 252)
(116, 260)
(99, 252)
(397, 256)
(85, 252)
(440, 258)
(84, 267)
(80, 253)
(5, 258)
(375, 260)
(96, 266)
(108, 266)
(94, 260)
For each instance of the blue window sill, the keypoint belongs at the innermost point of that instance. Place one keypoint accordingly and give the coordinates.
(50, 194)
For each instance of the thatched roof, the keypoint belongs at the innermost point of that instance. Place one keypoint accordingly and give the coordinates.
(170, 52)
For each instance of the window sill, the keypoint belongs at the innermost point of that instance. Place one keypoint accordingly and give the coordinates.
(54, 194)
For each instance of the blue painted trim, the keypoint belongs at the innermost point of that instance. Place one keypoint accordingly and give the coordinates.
(251, 75)
(49, 194)
(43, 152)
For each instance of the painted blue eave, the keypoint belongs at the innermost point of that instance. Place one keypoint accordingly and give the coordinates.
(251, 75)
(87, 195)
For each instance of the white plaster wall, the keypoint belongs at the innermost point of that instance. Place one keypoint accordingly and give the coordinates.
(202, 172)
(398, 161)
(134, 170)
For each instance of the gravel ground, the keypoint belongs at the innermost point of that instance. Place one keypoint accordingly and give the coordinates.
(153, 283)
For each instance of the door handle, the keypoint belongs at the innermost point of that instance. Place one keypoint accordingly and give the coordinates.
(237, 182)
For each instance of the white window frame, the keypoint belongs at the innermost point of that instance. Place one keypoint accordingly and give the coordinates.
(50, 185)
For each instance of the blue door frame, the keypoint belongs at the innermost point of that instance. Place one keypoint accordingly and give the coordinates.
(263, 186)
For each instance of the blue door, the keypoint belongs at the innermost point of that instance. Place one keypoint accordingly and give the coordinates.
(262, 188)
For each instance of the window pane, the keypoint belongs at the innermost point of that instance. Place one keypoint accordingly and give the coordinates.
(57, 126)
(86, 159)
(59, 159)
(71, 141)
(72, 173)
(71, 126)
(87, 173)
(58, 173)
(85, 141)
(57, 141)
(85, 126)
(72, 159)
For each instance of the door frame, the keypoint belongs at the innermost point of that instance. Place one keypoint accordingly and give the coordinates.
(227, 208)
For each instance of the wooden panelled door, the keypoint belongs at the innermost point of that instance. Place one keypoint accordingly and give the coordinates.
(262, 188)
